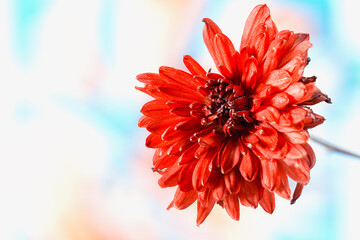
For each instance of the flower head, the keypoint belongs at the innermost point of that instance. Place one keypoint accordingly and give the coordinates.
(235, 137)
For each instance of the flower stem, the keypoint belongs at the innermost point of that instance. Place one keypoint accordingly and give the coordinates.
(332, 147)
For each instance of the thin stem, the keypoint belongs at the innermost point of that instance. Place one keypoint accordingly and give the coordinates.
(333, 147)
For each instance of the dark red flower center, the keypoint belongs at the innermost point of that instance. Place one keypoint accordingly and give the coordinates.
(228, 106)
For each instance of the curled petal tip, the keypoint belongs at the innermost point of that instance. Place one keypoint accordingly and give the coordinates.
(205, 20)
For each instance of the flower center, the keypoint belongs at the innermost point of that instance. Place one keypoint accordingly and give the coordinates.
(228, 106)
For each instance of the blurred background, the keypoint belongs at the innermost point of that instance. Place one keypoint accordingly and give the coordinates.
(73, 164)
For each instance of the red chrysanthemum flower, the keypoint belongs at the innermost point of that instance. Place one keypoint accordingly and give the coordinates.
(237, 136)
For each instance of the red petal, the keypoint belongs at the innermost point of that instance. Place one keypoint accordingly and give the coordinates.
(297, 192)
(267, 134)
(249, 165)
(250, 73)
(170, 176)
(155, 109)
(158, 126)
(182, 94)
(279, 100)
(310, 155)
(151, 78)
(232, 181)
(164, 161)
(219, 189)
(283, 190)
(281, 44)
(296, 92)
(154, 141)
(267, 114)
(188, 155)
(250, 194)
(185, 177)
(299, 137)
(144, 121)
(203, 212)
(171, 134)
(205, 197)
(230, 155)
(183, 200)
(259, 42)
(202, 169)
(295, 67)
(277, 79)
(189, 124)
(315, 120)
(209, 32)
(270, 177)
(260, 14)
(314, 95)
(224, 50)
(194, 67)
(296, 169)
(232, 206)
(178, 77)
(300, 48)
(268, 201)
(293, 115)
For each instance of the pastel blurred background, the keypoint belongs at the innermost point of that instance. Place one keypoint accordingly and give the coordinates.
(73, 164)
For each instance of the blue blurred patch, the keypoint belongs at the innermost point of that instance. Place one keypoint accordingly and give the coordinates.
(24, 112)
(107, 30)
(27, 14)
(118, 122)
